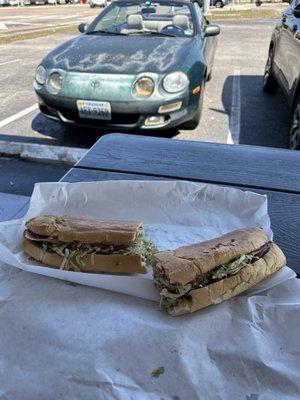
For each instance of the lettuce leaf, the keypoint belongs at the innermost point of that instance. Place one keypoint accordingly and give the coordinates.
(74, 253)
(169, 298)
(224, 271)
(142, 247)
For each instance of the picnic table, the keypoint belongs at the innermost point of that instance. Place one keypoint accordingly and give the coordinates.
(60, 340)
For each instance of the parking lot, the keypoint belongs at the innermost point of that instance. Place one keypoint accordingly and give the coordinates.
(22, 19)
(235, 108)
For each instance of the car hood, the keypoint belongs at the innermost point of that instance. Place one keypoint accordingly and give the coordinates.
(118, 54)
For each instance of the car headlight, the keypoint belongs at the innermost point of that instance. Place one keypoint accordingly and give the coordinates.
(175, 82)
(144, 86)
(41, 75)
(56, 81)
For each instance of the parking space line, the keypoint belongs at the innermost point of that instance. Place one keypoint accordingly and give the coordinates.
(9, 62)
(22, 23)
(235, 110)
(18, 115)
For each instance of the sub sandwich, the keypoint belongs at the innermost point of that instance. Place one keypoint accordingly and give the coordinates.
(196, 276)
(85, 245)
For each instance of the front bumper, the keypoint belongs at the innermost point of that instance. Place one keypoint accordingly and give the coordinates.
(127, 110)
(125, 115)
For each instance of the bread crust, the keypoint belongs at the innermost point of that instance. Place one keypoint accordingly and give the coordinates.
(186, 263)
(68, 229)
(227, 288)
(114, 263)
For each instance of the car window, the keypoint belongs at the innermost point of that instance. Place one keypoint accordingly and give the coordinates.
(133, 17)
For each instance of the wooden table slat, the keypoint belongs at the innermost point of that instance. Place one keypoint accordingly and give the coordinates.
(249, 166)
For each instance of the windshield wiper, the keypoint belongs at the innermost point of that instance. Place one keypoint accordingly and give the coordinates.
(106, 33)
(150, 33)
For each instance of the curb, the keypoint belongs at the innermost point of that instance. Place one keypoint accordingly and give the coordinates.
(42, 152)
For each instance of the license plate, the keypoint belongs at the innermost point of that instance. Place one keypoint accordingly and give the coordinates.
(94, 109)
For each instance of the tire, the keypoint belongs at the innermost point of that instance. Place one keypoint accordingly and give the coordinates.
(208, 78)
(219, 4)
(193, 123)
(295, 127)
(270, 84)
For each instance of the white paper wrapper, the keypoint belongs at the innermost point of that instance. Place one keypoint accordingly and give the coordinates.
(174, 214)
(60, 340)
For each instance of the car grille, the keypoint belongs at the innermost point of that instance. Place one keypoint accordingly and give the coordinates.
(116, 119)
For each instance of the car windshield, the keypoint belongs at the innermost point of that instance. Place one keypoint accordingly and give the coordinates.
(161, 18)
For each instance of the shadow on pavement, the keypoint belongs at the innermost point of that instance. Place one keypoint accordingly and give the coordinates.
(264, 119)
(75, 136)
(64, 134)
(26, 139)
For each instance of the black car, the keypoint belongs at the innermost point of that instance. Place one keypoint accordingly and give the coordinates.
(283, 66)
(34, 2)
(215, 3)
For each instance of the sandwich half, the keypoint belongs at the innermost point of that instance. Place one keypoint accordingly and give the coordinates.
(196, 276)
(87, 245)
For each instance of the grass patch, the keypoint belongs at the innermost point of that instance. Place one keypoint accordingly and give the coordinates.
(254, 13)
(13, 37)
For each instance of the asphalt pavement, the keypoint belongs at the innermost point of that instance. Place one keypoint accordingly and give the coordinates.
(19, 177)
(21, 19)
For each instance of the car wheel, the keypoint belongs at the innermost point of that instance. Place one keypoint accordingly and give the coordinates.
(219, 4)
(295, 127)
(270, 84)
(193, 123)
(208, 78)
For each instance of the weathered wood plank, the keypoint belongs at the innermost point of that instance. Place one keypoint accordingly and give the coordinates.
(249, 166)
(284, 209)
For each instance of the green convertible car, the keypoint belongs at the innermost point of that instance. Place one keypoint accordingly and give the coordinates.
(138, 65)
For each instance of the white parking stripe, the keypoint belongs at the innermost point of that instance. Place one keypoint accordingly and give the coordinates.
(18, 115)
(22, 23)
(235, 110)
(9, 62)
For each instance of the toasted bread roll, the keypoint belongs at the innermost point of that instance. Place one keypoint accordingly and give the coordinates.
(196, 276)
(112, 263)
(227, 288)
(187, 262)
(68, 229)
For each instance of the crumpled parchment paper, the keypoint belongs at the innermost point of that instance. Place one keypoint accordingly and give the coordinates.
(62, 340)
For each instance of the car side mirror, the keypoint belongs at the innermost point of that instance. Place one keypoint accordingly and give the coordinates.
(83, 27)
(211, 30)
(296, 13)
